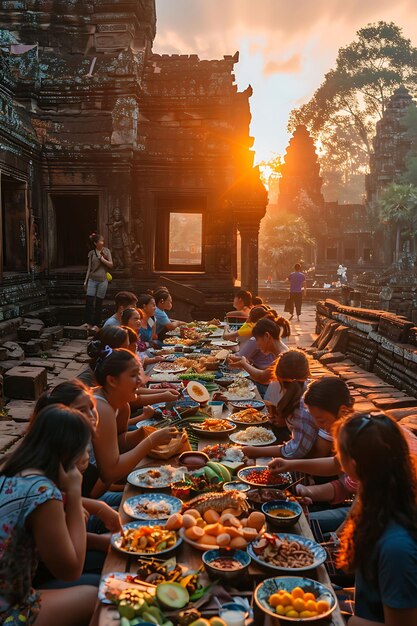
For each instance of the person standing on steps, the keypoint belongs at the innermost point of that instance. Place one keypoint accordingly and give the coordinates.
(99, 263)
(297, 285)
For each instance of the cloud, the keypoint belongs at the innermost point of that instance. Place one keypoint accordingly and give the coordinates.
(290, 66)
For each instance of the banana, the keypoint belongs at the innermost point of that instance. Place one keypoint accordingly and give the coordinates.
(211, 474)
(220, 470)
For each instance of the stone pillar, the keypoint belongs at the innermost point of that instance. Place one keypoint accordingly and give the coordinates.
(249, 231)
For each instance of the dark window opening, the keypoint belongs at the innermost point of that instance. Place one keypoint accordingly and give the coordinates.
(349, 254)
(76, 218)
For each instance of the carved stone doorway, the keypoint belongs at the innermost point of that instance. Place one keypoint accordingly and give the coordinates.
(76, 217)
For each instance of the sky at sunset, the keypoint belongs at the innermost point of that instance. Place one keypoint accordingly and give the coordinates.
(285, 46)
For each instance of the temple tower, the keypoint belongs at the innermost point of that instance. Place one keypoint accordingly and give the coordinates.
(390, 145)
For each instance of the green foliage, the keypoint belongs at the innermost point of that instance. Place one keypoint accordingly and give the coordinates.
(345, 108)
(410, 121)
(398, 208)
(283, 239)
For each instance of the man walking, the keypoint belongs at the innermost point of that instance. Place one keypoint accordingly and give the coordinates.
(297, 285)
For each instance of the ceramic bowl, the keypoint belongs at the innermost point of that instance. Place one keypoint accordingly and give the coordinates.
(212, 555)
(272, 585)
(282, 522)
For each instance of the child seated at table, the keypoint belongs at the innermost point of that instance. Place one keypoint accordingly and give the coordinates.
(284, 399)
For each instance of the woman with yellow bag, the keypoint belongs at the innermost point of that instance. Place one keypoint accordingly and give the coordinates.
(96, 280)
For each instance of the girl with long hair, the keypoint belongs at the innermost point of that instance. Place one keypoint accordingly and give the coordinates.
(379, 540)
(33, 521)
(132, 318)
(117, 450)
(268, 333)
(99, 263)
(287, 410)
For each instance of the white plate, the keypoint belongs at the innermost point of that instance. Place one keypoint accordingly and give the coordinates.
(255, 442)
(135, 478)
(224, 343)
(168, 370)
(249, 395)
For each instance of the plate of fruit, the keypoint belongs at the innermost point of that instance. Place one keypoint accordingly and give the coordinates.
(295, 599)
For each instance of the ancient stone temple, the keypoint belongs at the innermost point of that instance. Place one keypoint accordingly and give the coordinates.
(300, 172)
(390, 144)
(341, 232)
(99, 133)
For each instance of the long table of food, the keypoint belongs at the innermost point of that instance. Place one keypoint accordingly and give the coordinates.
(209, 538)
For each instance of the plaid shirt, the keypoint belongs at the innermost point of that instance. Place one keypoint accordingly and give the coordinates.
(304, 433)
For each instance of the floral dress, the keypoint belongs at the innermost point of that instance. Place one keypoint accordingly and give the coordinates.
(19, 497)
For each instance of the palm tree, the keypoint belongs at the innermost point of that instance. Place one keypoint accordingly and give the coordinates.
(398, 206)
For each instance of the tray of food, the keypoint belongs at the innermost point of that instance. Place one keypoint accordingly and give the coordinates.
(210, 525)
(261, 476)
(295, 599)
(169, 368)
(213, 427)
(248, 417)
(253, 436)
(156, 477)
(152, 506)
(145, 538)
(287, 553)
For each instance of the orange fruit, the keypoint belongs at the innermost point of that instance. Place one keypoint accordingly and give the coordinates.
(309, 596)
(280, 609)
(275, 599)
(306, 614)
(322, 606)
(311, 605)
(299, 604)
(297, 592)
(286, 599)
(292, 613)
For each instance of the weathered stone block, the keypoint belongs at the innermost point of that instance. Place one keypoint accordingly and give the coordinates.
(75, 332)
(56, 332)
(30, 347)
(26, 333)
(25, 383)
(20, 410)
(14, 351)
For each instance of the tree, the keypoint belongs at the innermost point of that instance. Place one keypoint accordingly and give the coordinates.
(283, 239)
(398, 207)
(345, 108)
(270, 171)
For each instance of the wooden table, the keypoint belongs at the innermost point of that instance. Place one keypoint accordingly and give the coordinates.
(106, 615)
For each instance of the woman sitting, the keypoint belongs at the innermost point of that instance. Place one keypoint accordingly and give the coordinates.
(164, 324)
(117, 450)
(242, 304)
(379, 541)
(267, 333)
(287, 410)
(33, 521)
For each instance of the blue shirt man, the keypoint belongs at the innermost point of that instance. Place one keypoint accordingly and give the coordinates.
(297, 284)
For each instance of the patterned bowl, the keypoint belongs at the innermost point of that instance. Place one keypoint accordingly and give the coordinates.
(130, 506)
(319, 554)
(272, 585)
(211, 556)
